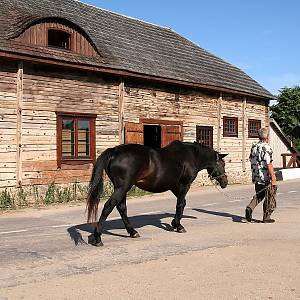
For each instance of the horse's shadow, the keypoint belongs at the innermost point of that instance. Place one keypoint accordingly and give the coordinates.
(235, 218)
(136, 221)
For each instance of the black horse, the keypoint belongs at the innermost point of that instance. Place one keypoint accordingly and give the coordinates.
(155, 170)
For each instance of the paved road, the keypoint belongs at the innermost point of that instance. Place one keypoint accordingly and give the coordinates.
(50, 244)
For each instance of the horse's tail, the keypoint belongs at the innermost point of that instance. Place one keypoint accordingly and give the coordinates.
(96, 184)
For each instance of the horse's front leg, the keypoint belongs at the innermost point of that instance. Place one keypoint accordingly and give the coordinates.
(117, 196)
(180, 192)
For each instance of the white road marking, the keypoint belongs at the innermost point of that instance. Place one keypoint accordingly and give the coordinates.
(292, 192)
(64, 225)
(279, 193)
(143, 214)
(153, 212)
(71, 225)
(110, 219)
(210, 204)
(232, 201)
(13, 231)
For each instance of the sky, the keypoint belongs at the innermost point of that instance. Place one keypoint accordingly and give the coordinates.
(261, 37)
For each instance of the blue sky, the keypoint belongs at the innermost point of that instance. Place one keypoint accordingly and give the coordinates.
(261, 37)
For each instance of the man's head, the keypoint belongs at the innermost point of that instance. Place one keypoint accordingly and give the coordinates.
(263, 134)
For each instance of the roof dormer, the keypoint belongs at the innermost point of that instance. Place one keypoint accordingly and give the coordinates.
(59, 34)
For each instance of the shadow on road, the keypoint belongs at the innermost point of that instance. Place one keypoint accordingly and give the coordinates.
(136, 221)
(234, 218)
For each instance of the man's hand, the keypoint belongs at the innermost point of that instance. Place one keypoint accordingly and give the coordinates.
(272, 174)
(274, 181)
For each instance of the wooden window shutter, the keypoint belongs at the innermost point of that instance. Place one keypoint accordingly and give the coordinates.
(170, 133)
(134, 133)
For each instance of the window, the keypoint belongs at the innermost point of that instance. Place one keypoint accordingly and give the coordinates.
(59, 39)
(75, 138)
(230, 126)
(204, 135)
(253, 127)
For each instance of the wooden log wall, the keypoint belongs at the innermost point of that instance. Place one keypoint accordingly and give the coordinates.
(8, 123)
(232, 106)
(46, 91)
(200, 108)
(191, 107)
(258, 110)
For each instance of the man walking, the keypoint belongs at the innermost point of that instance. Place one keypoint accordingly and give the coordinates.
(263, 176)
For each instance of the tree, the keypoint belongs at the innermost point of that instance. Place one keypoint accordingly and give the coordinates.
(287, 111)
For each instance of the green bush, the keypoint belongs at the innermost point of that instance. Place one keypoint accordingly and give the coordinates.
(6, 200)
(50, 194)
(64, 195)
(36, 195)
(22, 198)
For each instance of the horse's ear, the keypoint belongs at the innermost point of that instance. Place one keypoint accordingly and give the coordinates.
(222, 155)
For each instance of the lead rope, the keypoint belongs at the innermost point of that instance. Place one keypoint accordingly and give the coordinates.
(243, 198)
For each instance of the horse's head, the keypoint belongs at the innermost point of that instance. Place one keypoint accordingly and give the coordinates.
(217, 170)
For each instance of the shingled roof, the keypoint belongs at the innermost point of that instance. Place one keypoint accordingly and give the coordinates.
(124, 44)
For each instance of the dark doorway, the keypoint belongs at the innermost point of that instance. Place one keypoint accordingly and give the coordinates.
(152, 136)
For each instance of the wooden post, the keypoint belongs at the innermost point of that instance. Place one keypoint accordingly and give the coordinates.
(268, 114)
(19, 174)
(283, 161)
(121, 112)
(244, 135)
(219, 112)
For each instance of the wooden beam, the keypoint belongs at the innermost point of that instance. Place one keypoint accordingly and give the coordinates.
(19, 174)
(160, 122)
(244, 135)
(219, 116)
(121, 112)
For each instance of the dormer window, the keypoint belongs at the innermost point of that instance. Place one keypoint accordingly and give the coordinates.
(59, 34)
(59, 39)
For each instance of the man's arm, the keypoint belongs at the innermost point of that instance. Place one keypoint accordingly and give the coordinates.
(272, 174)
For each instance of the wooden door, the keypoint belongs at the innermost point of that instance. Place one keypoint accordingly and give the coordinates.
(170, 133)
(134, 133)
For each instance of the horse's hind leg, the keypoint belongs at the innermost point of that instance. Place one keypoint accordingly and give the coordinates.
(115, 198)
(180, 192)
(122, 208)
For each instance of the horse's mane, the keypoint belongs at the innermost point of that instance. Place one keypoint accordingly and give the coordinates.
(204, 148)
(197, 146)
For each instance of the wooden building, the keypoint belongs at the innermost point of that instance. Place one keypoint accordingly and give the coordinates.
(75, 79)
(285, 155)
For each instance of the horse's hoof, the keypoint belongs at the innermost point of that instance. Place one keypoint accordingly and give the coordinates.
(99, 244)
(174, 225)
(135, 235)
(181, 230)
(92, 241)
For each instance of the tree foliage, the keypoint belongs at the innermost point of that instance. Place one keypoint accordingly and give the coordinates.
(287, 111)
